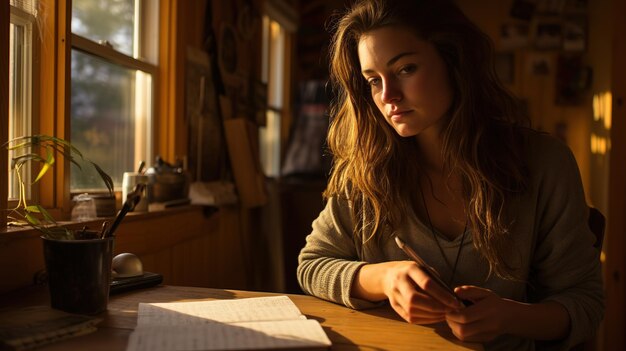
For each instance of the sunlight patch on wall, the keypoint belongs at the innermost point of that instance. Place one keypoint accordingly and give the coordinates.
(601, 144)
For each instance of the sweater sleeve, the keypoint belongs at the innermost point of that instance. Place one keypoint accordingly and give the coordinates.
(328, 263)
(565, 267)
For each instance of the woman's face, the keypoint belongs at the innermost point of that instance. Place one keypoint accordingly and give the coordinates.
(408, 79)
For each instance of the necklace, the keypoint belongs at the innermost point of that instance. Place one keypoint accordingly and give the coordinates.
(458, 253)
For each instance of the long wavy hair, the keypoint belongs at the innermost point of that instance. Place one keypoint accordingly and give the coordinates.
(481, 134)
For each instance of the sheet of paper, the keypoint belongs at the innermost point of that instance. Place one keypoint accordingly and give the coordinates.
(239, 336)
(227, 311)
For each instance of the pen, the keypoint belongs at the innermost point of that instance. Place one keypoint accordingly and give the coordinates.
(131, 201)
(142, 164)
(430, 271)
(103, 231)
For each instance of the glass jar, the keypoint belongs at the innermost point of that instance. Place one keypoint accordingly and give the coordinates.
(84, 208)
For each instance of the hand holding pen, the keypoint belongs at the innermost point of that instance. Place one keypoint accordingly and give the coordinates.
(430, 271)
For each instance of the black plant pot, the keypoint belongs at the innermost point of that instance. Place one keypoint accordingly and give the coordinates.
(79, 274)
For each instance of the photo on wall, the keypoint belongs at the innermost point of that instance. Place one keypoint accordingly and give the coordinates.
(573, 79)
(575, 33)
(578, 6)
(548, 35)
(539, 64)
(514, 36)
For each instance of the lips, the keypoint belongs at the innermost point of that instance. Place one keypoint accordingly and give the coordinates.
(398, 114)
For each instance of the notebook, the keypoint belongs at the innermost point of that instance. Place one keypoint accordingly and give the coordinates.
(33, 326)
(258, 323)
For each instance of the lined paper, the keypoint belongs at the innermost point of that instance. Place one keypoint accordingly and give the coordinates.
(244, 324)
(227, 311)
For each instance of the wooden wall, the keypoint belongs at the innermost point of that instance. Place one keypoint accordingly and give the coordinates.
(570, 121)
(189, 246)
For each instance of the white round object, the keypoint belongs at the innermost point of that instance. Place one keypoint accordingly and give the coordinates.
(126, 265)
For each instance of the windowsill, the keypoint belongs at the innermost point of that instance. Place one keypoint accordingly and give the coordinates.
(27, 232)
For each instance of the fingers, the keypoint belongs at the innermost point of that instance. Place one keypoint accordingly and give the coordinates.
(482, 321)
(465, 316)
(411, 303)
(419, 302)
(415, 315)
(421, 290)
(472, 293)
(470, 333)
(434, 289)
(480, 330)
(474, 312)
(416, 296)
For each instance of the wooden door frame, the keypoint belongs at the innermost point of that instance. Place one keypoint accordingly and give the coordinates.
(615, 273)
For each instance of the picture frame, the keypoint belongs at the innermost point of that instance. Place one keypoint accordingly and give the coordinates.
(539, 64)
(575, 33)
(548, 35)
(514, 36)
(550, 7)
(573, 79)
(575, 6)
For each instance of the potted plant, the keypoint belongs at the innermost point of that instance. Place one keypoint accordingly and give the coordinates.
(40, 150)
(78, 263)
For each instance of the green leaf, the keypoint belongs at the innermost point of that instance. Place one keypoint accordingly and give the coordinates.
(105, 177)
(68, 155)
(46, 166)
(46, 215)
(32, 220)
(22, 159)
(27, 150)
(58, 233)
(33, 209)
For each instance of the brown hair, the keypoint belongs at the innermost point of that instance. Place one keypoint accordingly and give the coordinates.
(481, 138)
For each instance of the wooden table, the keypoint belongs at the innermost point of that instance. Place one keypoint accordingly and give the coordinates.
(374, 329)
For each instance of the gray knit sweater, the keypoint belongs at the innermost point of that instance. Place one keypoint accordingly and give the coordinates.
(552, 247)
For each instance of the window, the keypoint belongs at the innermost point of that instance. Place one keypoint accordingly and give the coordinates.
(99, 91)
(273, 75)
(22, 31)
(113, 74)
(278, 24)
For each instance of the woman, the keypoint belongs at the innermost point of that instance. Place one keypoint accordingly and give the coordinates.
(429, 147)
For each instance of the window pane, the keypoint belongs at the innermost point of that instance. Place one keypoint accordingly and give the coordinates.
(13, 32)
(28, 6)
(20, 91)
(110, 119)
(110, 20)
(269, 147)
(273, 72)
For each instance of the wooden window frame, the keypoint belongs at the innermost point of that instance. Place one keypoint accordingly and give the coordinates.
(54, 80)
(284, 18)
(4, 106)
(31, 97)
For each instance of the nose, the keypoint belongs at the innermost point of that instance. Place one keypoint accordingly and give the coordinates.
(391, 92)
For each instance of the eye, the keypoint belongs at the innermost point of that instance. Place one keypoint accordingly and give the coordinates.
(372, 82)
(408, 69)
